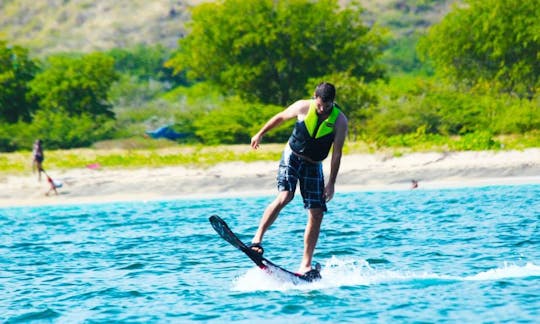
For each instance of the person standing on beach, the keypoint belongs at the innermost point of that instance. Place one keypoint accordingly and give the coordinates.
(320, 126)
(37, 158)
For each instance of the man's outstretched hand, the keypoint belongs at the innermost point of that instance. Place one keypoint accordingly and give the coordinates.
(255, 141)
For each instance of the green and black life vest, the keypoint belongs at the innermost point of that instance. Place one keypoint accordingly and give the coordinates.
(312, 137)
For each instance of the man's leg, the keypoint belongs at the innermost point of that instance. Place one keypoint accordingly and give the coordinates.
(311, 235)
(271, 213)
(287, 178)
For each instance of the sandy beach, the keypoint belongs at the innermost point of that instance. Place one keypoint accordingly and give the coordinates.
(358, 172)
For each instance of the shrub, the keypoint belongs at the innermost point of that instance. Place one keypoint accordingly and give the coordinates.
(236, 121)
(59, 130)
(476, 141)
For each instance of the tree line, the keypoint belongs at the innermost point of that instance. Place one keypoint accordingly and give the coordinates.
(242, 61)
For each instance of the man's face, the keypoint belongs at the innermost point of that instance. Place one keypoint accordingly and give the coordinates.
(323, 108)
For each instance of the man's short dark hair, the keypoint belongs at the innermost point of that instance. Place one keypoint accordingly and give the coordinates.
(326, 91)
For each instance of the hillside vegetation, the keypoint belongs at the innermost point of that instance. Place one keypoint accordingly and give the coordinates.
(50, 26)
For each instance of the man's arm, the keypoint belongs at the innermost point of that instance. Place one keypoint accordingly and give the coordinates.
(298, 108)
(337, 151)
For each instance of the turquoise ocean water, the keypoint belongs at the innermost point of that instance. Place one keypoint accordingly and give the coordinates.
(466, 255)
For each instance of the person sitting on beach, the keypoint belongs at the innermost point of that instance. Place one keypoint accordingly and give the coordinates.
(53, 185)
(37, 158)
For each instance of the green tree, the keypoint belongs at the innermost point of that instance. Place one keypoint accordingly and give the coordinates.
(16, 70)
(489, 40)
(146, 63)
(266, 50)
(76, 86)
(7, 132)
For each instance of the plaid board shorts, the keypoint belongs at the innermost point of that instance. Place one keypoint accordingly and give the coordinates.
(293, 168)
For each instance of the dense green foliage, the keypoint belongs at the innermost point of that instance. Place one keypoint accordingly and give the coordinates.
(435, 107)
(146, 63)
(143, 79)
(16, 70)
(61, 130)
(72, 108)
(76, 86)
(247, 60)
(264, 50)
(497, 41)
(402, 58)
(236, 121)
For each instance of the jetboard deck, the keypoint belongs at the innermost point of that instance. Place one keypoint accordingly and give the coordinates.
(274, 270)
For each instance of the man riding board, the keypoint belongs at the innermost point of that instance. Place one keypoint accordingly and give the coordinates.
(320, 126)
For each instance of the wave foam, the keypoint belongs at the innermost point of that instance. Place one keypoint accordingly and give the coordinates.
(339, 272)
(508, 270)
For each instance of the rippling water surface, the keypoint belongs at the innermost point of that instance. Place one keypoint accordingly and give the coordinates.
(449, 255)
